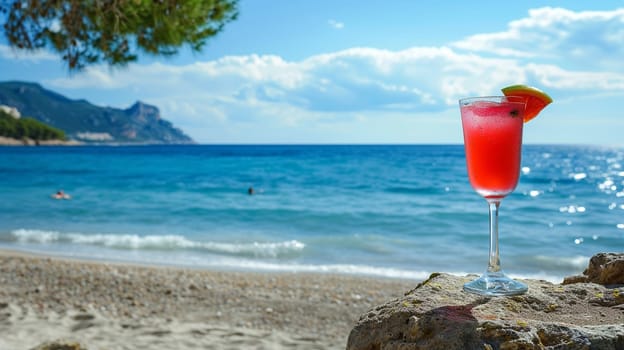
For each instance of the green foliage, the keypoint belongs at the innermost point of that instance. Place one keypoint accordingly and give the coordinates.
(86, 32)
(27, 128)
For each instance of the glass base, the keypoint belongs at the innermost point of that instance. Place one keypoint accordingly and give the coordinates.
(495, 284)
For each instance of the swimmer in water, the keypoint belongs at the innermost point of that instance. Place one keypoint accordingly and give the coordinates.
(60, 194)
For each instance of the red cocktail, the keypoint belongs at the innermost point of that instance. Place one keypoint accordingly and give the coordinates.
(493, 143)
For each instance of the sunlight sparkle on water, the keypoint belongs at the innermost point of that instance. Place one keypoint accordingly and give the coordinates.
(572, 209)
(607, 185)
(579, 176)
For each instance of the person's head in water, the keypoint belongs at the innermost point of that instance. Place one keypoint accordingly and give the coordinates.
(250, 191)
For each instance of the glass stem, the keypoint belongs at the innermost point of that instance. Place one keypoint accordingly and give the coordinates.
(494, 261)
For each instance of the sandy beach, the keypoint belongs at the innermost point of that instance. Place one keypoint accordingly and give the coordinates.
(116, 306)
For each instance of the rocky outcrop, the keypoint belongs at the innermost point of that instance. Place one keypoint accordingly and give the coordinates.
(437, 314)
(604, 268)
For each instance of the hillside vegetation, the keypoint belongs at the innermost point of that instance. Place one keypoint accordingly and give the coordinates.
(27, 128)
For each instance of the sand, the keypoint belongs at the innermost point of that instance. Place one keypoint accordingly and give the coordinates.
(116, 306)
(7, 141)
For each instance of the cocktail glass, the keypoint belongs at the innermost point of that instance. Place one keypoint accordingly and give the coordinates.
(493, 142)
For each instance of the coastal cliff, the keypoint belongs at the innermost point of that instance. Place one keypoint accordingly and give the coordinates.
(84, 122)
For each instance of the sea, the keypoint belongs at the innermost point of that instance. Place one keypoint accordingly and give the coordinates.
(392, 211)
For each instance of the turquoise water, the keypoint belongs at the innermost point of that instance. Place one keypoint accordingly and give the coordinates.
(397, 211)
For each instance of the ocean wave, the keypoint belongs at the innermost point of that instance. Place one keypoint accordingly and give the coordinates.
(283, 249)
(179, 251)
(538, 276)
(342, 269)
(574, 262)
(547, 266)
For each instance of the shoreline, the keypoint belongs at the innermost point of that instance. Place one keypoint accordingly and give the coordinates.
(18, 253)
(397, 273)
(117, 305)
(7, 141)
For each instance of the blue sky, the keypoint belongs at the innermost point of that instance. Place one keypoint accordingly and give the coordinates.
(370, 71)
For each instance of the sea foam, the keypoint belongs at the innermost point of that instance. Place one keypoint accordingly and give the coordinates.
(165, 242)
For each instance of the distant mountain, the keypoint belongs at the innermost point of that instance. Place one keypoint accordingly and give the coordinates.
(83, 121)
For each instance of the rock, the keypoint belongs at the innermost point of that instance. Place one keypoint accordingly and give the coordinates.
(604, 268)
(437, 314)
(60, 345)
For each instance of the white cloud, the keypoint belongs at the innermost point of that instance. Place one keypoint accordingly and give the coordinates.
(350, 81)
(7, 52)
(569, 54)
(576, 81)
(335, 24)
(585, 39)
